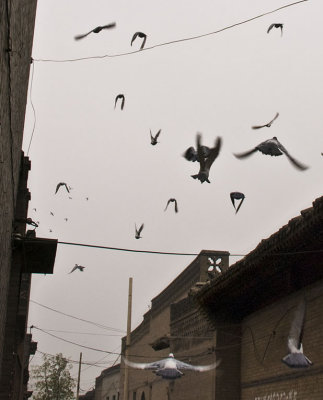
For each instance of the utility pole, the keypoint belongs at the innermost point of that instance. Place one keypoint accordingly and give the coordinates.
(126, 371)
(79, 378)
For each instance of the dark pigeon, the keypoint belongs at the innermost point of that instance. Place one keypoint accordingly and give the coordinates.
(95, 30)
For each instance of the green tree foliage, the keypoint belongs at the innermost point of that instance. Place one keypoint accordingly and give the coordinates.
(53, 380)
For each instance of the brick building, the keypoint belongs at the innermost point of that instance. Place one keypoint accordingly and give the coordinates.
(251, 307)
(21, 253)
(174, 324)
(107, 384)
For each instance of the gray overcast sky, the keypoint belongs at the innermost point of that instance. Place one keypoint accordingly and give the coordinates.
(219, 85)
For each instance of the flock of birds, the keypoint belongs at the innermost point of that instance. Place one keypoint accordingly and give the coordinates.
(170, 368)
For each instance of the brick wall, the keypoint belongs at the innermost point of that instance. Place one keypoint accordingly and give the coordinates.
(264, 344)
(16, 36)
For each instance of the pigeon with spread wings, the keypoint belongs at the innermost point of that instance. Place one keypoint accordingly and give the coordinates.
(153, 139)
(206, 163)
(276, 26)
(268, 125)
(272, 147)
(296, 358)
(138, 231)
(79, 267)
(172, 201)
(95, 30)
(191, 154)
(122, 98)
(169, 368)
(237, 196)
(61, 184)
(141, 35)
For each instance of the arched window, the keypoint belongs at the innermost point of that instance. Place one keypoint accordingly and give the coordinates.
(143, 396)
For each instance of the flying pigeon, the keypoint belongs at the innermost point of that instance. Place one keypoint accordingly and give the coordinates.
(51, 213)
(138, 231)
(266, 125)
(62, 184)
(120, 96)
(296, 358)
(191, 154)
(142, 36)
(96, 30)
(205, 164)
(153, 139)
(172, 201)
(276, 26)
(273, 147)
(77, 267)
(237, 196)
(66, 219)
(169, 368)
(34, 209)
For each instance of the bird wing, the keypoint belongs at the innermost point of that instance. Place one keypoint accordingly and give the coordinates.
(143, 42)
(151, 136)
(246, 153)
(176, 208)
(275, 117)
(296, 332)
(200, 151)
(134, 37)
(122, 102)
(109, 26)
(73, 269)
(213, 153)
(258, 126)
(78, 37)
(232, 197)
(270, 28)
(167, 204)
(296, 163)
(157, 134)
(199, 368)
(151, 366)
(141, 228)
(57, 187)
(190, 154)
(66, 187)
(240, 204)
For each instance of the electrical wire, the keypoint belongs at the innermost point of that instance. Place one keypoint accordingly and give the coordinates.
(79, 319)
(173, 41)
(82, 333)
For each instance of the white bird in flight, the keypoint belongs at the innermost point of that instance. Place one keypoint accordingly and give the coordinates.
(169, 368)
(296, 357)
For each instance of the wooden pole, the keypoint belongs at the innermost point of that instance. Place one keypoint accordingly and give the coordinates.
(79, 378)
(126, 371)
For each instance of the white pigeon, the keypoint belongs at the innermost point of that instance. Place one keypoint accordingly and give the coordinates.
(296, 358)
(169, 368)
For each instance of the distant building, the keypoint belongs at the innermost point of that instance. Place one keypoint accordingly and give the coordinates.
(174, 324)
(251, 307)
(107, 384)
(21, 253)
(88, 395)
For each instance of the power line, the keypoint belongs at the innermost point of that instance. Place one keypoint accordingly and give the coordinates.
(79, 319)
(173, 41)
(81, 333)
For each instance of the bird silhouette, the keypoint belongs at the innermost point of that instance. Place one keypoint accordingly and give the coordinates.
(62, 184)
(272, 147)
(96, 30)
(153, 139)
(120, 96)
(237, 196)
(191, 154)
(296, 358)
(51, 213)
(206, 163)
(79, 267)
(170, 368)
(138, 231)
(66, 219)
(141, 35)
(268, 125)
(172, 201)
(276, 26)
(34, 209)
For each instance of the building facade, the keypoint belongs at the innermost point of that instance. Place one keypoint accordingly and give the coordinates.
(21, 253)
(257, 298)
(107, 384)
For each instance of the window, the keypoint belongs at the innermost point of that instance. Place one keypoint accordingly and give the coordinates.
(134, 396)
(143, 396)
